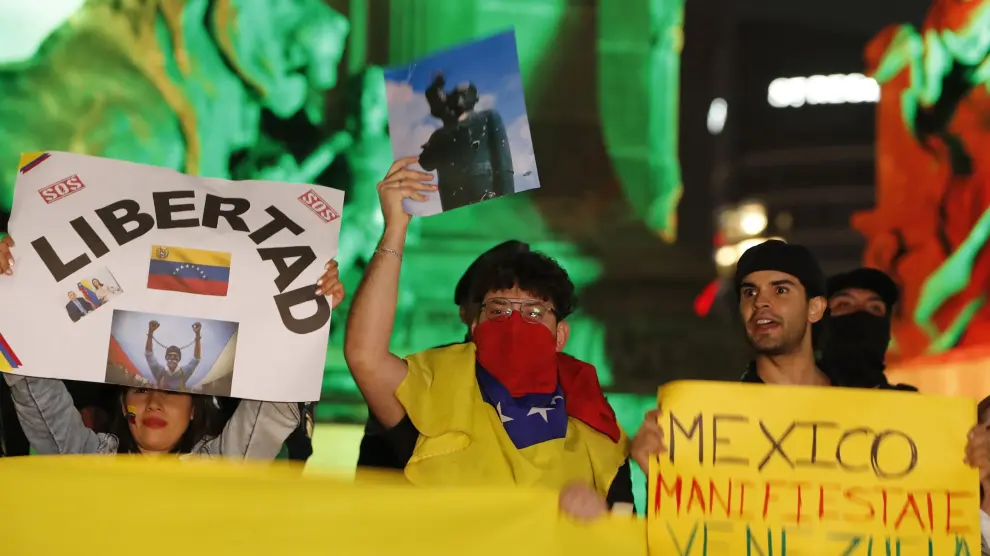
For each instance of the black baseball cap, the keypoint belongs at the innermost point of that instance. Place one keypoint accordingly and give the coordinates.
(781, 256)
(462, 292)
(872, 279)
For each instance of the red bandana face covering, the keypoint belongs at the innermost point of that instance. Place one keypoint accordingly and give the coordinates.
(520, 355)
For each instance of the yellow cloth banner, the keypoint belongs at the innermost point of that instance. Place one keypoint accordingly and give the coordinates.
(90, 505)
(777, 470)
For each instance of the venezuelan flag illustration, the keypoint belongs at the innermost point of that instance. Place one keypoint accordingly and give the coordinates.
(8, 360)
(29, 161)
(178, 269)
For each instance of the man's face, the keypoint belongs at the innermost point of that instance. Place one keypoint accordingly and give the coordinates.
(532, 309)
(776, 312)
(852, 300)
(172, 360)
(72, 295)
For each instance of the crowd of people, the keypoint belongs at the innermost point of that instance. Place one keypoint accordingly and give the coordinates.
(504, 405)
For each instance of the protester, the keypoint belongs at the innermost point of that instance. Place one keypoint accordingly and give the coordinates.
(376, 450)
(861, 303)
(781, 291)
(147, 421)
(507, 408)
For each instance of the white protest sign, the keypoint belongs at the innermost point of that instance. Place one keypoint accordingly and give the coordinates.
(142, 276)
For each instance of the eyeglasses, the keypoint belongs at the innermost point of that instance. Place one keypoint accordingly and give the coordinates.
(531, 311)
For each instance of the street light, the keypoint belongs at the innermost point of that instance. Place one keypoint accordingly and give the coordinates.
(752, 219)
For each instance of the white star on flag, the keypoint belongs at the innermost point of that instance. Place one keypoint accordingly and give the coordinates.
(542, 411)
(498, 407)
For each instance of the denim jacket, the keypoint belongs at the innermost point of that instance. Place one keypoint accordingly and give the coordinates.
(53, 426)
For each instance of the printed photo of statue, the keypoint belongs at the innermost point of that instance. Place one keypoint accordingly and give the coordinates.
(474, 135)
(470, 153)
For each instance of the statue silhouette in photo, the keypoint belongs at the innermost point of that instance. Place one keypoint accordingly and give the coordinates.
(470, 152)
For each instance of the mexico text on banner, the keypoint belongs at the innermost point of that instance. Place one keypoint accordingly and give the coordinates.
(142, 276)
(760, 470)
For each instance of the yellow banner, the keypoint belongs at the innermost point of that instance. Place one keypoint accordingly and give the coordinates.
(776, 470)
(86, 505)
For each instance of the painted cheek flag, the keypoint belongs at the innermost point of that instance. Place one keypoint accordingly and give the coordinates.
(8, 360)
(184, 270)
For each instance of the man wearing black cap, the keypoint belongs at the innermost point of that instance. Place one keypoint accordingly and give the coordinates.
(781, 292)
(861, 303)
(376, 450)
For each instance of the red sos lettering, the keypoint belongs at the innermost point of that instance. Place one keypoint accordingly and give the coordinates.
(61, 189)
(319, 206)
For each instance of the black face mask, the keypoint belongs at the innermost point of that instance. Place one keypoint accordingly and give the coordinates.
(858, 340)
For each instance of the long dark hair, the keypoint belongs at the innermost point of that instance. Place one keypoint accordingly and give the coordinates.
(205, 423)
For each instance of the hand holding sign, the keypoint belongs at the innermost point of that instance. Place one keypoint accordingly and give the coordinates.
(401, 182)
(329, 284)
(6, 259)
(978, 450)
(649, 441)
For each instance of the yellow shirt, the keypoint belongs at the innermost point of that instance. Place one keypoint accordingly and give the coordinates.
(462, 440)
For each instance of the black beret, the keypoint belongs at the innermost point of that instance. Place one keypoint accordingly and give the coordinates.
(463, 290)
(789, 258)
(870, 279)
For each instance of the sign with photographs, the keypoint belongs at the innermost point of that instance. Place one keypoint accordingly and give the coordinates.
(756, 469)
(142, 276)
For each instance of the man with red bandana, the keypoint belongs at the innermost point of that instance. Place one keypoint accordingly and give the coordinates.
(507, 408)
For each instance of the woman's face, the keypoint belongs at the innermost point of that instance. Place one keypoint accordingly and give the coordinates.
(97, 283)
(160, 418)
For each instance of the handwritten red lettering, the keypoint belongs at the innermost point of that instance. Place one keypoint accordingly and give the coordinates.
(950, 513)
(696, 494)
(725, 502)
(912, 504)
(674, 491)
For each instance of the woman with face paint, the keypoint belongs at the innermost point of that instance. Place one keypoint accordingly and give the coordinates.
(149, 421)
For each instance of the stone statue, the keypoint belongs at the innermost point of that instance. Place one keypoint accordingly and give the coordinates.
(179, 83)
(932, 218)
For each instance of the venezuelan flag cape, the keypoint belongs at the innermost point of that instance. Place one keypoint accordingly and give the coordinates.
(463, 438)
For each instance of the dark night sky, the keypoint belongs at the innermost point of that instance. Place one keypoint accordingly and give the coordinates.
(856, 16)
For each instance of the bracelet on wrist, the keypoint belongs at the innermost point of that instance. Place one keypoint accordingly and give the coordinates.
(388, 251)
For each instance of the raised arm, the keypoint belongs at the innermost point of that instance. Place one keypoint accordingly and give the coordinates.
(44, 406)
(377, 371)
(198, 348)
(50, 420)
(256, 430)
